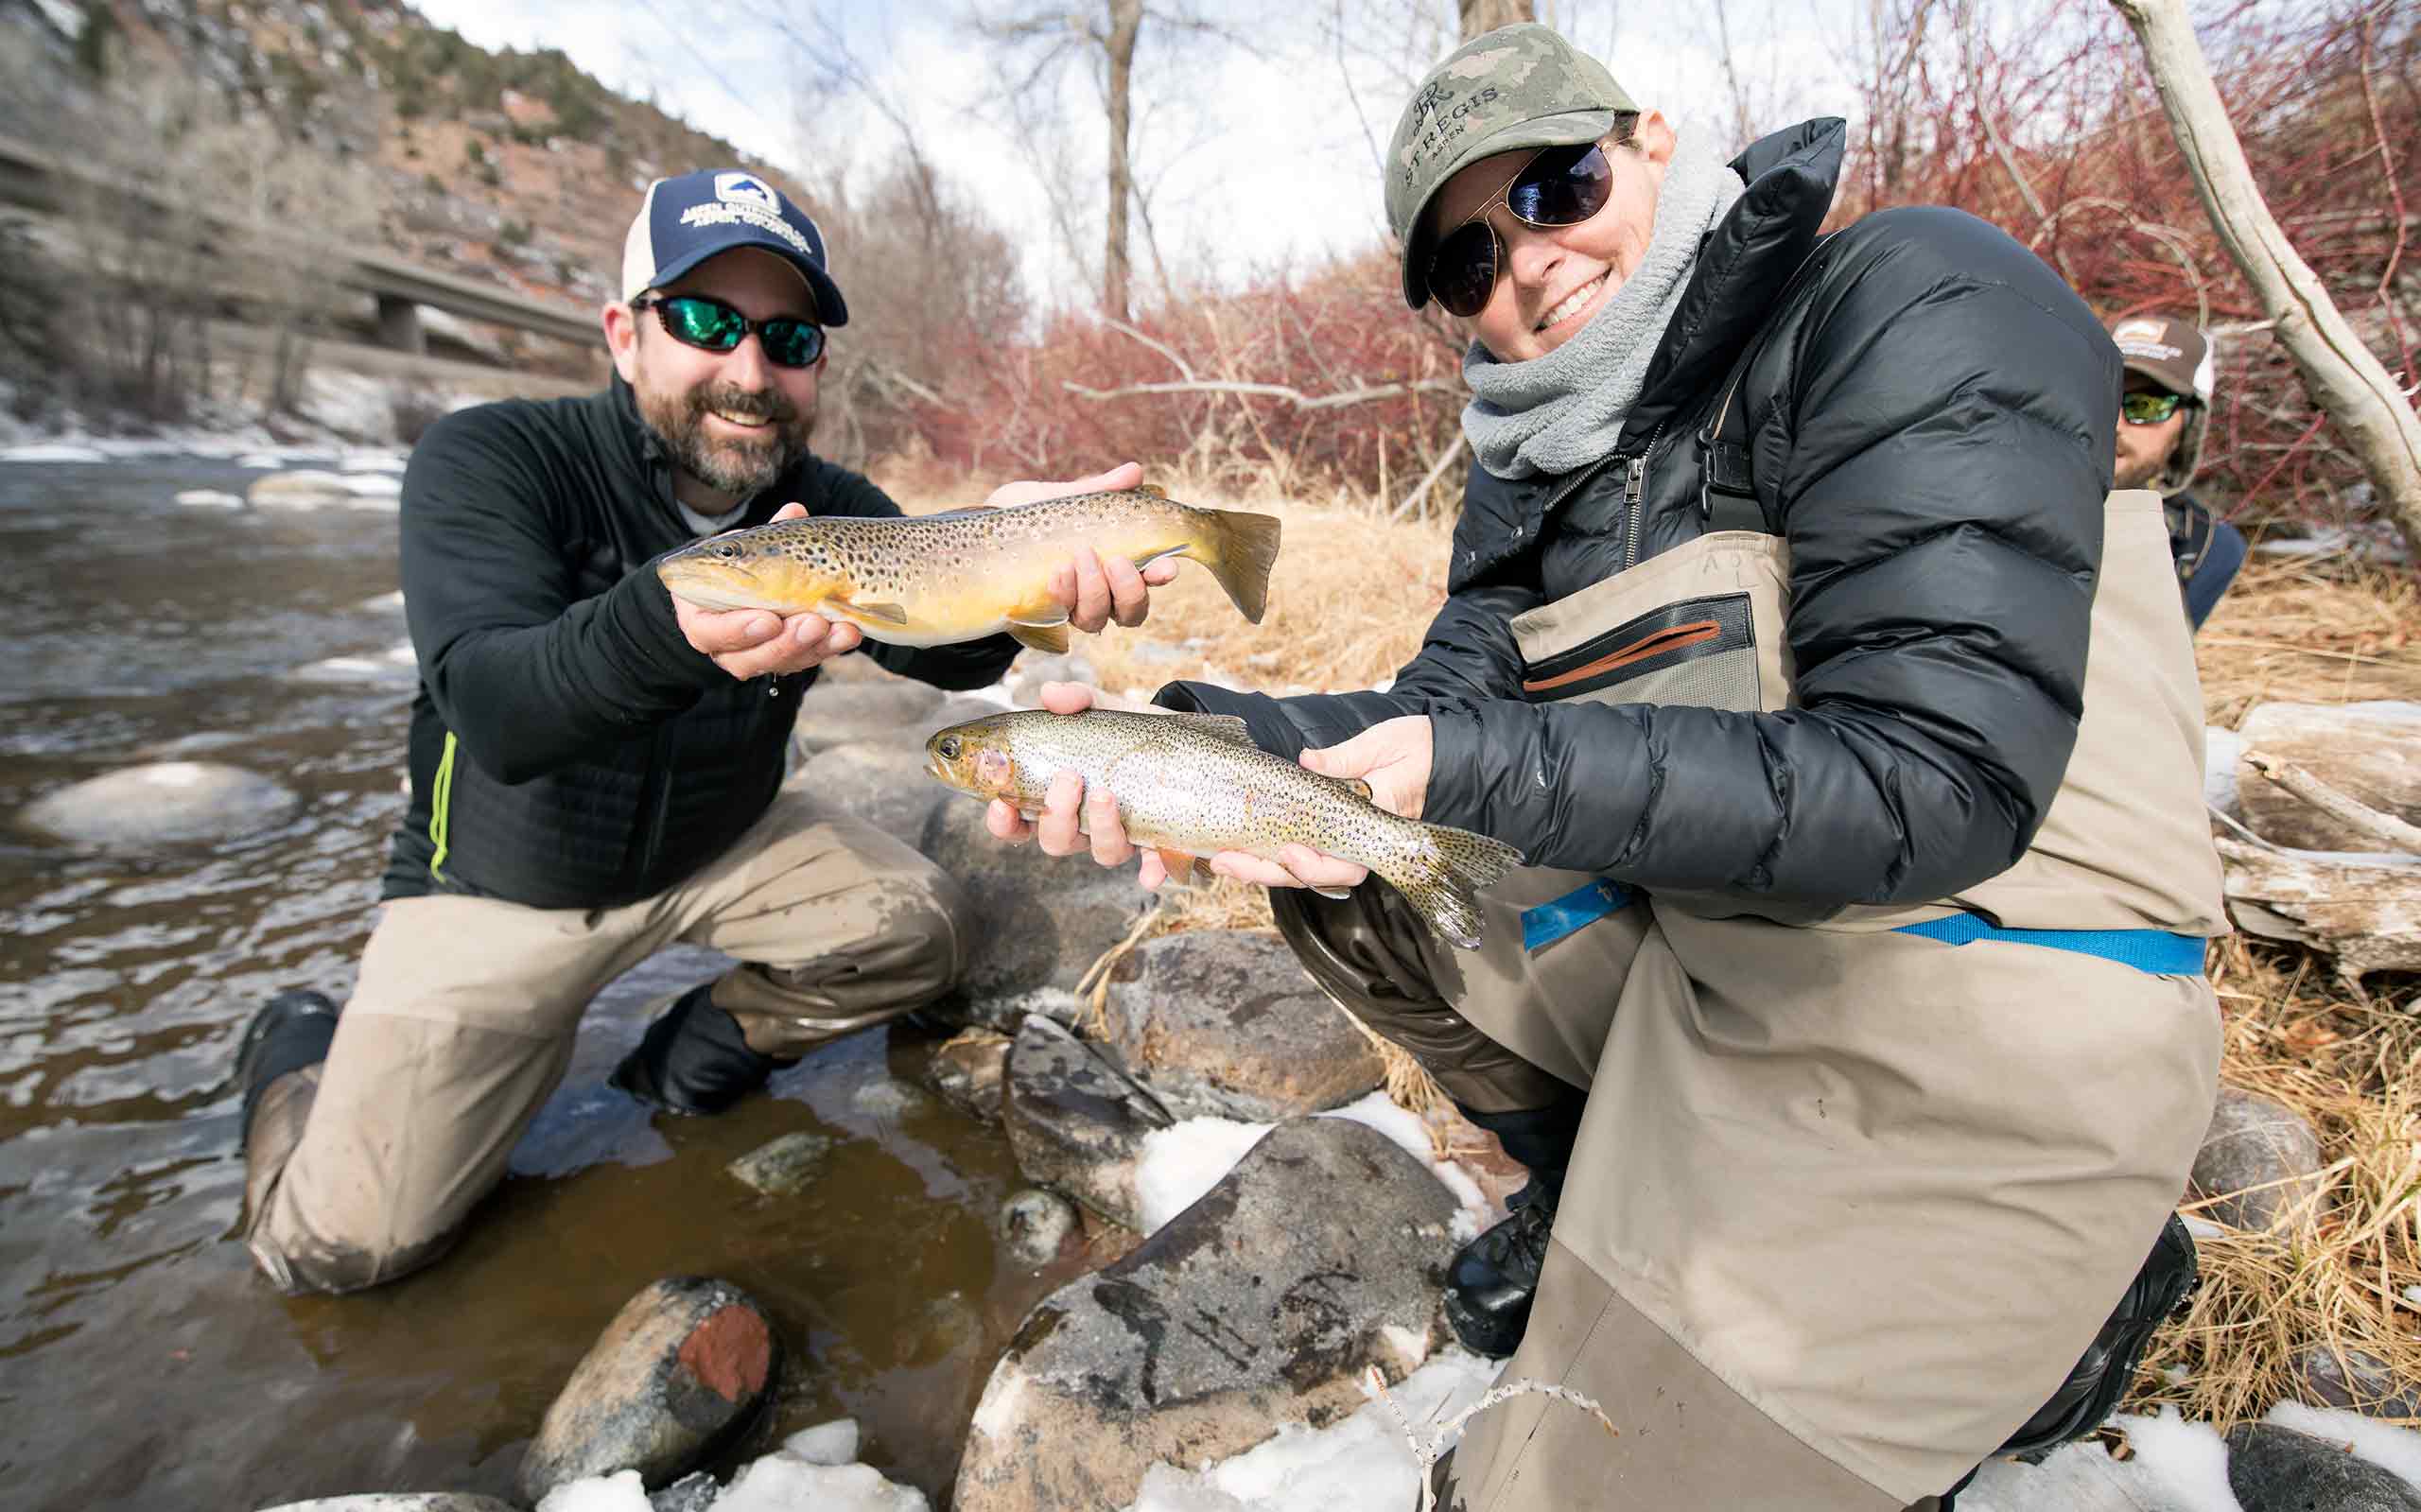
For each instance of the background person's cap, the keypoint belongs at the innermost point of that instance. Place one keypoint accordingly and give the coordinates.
(2171, 353)
(1519, 86)
(685, 221)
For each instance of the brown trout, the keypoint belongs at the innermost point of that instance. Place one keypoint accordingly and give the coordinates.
(1196, 783)
(935, 578)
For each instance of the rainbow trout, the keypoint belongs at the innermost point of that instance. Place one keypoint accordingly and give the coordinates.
(935, 578)
(1196, 783)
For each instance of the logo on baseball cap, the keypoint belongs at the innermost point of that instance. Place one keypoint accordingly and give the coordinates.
(1519, 86)
(2171, 353)
(685, 221)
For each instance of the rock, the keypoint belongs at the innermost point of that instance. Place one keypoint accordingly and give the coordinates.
(2276, 1469)
(783, 1167)
(2253, 1144)
(400, 1501)
(1037, 920)
(2361, 1382)
(1076, 1123)
(1320, 1255)
(1034, 668)
(969, 1071)
(1224, 1023)
(1035, 1226)
(891, 712)
(679, 1375)
(880, 782)
(693, 1492)
(166, 803)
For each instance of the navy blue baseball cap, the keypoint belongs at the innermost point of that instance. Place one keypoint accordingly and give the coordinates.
(685, 221)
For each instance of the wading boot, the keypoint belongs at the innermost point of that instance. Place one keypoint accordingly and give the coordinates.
(695, 1059)
(1491, 1280)
(2168, 1279)
(278, 1067)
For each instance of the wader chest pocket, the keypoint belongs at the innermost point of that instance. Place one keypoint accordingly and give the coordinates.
(1701, 651)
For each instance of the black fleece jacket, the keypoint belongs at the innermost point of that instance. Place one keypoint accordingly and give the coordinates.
(1930, 415)
(570, 748)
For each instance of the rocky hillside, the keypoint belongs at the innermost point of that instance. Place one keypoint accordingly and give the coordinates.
(509, 166)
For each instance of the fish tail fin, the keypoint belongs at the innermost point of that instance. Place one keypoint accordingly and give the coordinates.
(1441, 877)
(1238, 549)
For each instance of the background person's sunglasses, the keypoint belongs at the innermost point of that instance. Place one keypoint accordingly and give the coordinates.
(710, 325)
(2142, 409)
(1558, 187)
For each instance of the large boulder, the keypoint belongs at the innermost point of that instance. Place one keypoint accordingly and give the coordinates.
(680, 1374)
(163, 803)
(881, 782)
(888, 712)
(1037, 920)
(2276, 1469)
(1318, 1256)
(1224, 1023)
(1076, 1123)
(2259, 1160)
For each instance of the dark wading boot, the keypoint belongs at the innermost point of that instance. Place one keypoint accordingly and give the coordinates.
(277, 1066)
(694, 1059)
(2168, 1279)
(1491, 1280)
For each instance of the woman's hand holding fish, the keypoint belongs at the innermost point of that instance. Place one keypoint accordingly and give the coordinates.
(1095, 590)
(758, 643)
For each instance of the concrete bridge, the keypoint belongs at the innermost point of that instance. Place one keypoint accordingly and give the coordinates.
(38, 180)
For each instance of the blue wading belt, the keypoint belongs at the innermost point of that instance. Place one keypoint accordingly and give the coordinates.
(1551, 921)
(2153, 950)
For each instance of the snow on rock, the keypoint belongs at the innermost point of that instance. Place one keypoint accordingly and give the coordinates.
(832, 1443)
(1182, 1162)
(52, 451)
(210, 498)
(622, 1491)
(780, 1483)
(2397, 1450)
(2220, 748)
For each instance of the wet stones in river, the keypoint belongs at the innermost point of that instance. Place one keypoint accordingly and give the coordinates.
(1035, 1226)
(2276, 1469)
(1035, 920)
(892, 711)
(970, 1072)
(785, 1166)
(680, 1374)
(1077, 1121)
(1224, 1022)
(2259, 1160)
(1260, 1304)
(2358, 1380)
(164, 803)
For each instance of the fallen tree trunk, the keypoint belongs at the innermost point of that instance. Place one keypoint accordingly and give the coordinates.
(2366, 753)
(2367, 404)
(2366, 917)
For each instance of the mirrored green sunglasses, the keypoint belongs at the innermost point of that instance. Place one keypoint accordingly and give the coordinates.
(2142, 409)
(710, 325)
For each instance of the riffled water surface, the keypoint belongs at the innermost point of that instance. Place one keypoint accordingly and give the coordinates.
(142, 1363)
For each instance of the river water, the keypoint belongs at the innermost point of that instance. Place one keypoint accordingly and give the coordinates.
(142, 1363)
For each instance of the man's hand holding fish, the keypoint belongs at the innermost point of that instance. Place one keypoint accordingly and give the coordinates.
(1090, 589)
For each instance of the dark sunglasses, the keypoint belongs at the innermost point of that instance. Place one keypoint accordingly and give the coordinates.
(2144, 409)
(1558, 187)
(710, 325)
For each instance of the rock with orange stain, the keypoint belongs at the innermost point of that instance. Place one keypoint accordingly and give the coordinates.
(680, 1375)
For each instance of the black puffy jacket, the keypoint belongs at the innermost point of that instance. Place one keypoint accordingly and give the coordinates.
(570, 748)
(1930, 412)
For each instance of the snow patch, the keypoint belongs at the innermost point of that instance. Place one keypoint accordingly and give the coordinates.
(2397, 1450)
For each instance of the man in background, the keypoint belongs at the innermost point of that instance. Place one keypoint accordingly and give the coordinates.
(2162, 418)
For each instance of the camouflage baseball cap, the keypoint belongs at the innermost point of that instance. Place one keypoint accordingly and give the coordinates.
(1519, 86)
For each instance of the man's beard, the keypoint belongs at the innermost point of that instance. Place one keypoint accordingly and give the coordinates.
(737, 464)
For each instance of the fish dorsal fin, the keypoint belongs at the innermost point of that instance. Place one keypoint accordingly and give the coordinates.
(889, 614)
(1222, 726)
(1052, 640)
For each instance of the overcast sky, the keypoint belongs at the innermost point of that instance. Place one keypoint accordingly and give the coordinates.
(1255, 158)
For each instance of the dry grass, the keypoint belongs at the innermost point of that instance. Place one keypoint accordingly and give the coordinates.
(1348, 601)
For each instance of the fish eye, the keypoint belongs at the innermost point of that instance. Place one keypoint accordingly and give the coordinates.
(727, 551)
(947, 746)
